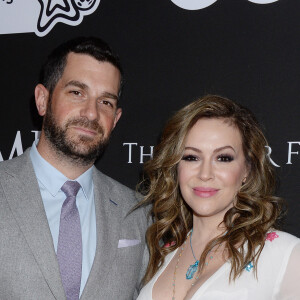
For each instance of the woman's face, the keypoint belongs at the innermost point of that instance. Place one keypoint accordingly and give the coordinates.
(212, 168)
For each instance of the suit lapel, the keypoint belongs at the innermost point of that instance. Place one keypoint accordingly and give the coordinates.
(109, 216)
(23, 195)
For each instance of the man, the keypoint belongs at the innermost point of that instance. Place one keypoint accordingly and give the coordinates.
(67, 230)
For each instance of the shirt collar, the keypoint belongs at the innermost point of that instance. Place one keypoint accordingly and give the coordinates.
(53, 180)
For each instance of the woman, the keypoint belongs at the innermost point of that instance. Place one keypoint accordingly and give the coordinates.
(215, 233)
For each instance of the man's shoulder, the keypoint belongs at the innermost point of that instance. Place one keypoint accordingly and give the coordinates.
(119, 193)
(13, 165)
(114, 187)
(110, 182)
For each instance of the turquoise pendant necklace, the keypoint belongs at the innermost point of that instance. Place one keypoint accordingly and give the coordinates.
(192, 269)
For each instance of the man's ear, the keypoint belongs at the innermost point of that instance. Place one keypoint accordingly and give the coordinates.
(117, 116)
(41, 99)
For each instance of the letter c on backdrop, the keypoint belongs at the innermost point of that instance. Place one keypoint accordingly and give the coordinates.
(193, 4)
(199, 4)
(262, 1)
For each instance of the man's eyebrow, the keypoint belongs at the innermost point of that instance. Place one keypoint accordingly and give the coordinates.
(83, 86)
(78, 84)
(110, 95)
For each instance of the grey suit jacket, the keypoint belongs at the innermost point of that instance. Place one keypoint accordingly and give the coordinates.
(28, 264)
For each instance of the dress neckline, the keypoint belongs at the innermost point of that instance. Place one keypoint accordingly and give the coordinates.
(203, 286)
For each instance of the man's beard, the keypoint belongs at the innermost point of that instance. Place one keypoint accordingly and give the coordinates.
(80, 150)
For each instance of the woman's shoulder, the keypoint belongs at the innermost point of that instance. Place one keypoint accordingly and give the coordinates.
(281, 239)
(278, 247)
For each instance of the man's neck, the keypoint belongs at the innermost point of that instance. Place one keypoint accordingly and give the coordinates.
(67, 166)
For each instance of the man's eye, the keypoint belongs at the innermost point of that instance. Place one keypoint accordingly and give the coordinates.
(76, 93)
(225, 158)
(190, 158)
(106, 102)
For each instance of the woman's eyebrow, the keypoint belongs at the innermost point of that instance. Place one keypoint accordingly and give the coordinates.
(216, 150)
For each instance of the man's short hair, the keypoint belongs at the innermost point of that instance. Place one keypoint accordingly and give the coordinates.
(95, 47)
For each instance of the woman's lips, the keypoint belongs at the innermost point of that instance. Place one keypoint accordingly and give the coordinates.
(205, 192)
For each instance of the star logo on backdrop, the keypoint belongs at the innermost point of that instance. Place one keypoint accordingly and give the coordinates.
(70, 12)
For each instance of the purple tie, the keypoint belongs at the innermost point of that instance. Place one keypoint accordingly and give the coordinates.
(69, 247)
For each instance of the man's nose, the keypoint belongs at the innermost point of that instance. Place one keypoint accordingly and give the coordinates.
(90, 110)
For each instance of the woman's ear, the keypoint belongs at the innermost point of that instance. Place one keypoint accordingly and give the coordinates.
(246, 174)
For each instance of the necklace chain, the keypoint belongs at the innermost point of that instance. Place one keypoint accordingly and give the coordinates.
(191, 245)
(176, 267)
(194, 266)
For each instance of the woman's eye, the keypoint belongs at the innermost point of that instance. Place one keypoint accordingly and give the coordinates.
(190, 158)
(225, 158)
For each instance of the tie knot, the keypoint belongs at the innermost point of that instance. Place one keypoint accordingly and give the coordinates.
(70, 188)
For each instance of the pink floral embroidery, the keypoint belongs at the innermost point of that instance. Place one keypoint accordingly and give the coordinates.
(271, 236)
(167, 245)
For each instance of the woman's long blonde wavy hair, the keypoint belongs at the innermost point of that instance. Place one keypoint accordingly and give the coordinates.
(256, 210)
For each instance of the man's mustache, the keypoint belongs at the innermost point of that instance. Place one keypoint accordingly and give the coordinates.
(85, 123)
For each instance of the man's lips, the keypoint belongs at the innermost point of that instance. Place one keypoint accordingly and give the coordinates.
(85, 130)
(205, 192)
